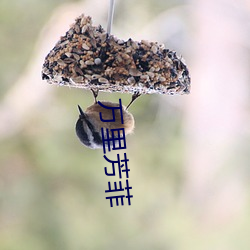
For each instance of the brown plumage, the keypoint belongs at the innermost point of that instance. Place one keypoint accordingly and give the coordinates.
(89, 124)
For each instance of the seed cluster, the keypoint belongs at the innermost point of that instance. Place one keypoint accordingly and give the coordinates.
(88, 57)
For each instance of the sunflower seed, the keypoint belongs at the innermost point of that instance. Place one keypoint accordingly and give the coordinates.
(150, 74)
(85, 46)
(144, 78)
(154, 49)
(120, 42)
(61, 62)
(95, 76)
(134, 72)
(78, 70)
(77, 29)
(84, 29)
(77, 57)
(88, 62)
(103, 80)
(131, 80)
(77, 79)
(69, 60)
(68, 54)
(145, 42)
(135, 45)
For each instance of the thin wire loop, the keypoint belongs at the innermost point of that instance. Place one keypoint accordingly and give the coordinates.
(110, 16)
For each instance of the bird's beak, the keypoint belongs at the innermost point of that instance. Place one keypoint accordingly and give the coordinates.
(82, 115)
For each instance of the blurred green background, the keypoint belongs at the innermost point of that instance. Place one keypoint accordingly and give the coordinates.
(189, 155)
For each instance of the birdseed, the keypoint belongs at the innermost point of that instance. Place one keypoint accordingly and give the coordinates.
(87, 57)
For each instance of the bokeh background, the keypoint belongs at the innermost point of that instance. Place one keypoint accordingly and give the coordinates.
(189, 156)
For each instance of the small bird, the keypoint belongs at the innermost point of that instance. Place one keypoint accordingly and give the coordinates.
(88, 126)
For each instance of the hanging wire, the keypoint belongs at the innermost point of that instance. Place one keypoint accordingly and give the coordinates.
(110, 15)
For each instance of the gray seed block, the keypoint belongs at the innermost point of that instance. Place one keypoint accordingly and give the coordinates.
(87, 57)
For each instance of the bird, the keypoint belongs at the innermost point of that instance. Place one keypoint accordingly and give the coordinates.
(89, 124)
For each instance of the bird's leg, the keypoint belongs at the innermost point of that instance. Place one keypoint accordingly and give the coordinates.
(134, 97)
(95, 94)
